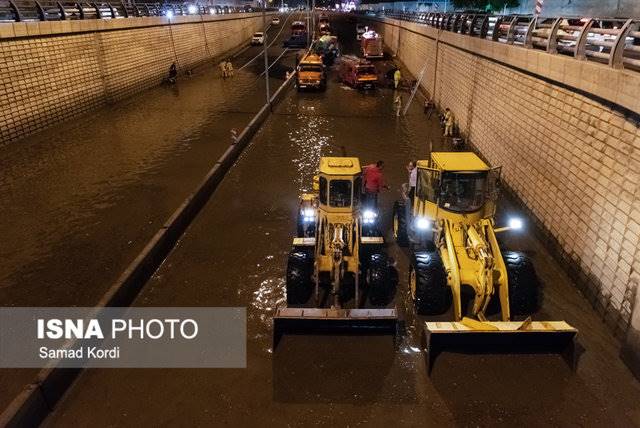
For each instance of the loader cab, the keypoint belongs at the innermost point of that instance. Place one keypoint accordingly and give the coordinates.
(339, 184)
(457, 183)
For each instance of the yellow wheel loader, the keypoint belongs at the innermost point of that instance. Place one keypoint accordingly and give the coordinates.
(449, 223)
(338, 277)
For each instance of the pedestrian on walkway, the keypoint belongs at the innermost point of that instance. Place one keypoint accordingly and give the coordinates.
(398, 104)
(449, 121)
(373, 183)
(397, 76)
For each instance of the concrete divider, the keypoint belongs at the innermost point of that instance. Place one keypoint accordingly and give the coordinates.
(37, 399)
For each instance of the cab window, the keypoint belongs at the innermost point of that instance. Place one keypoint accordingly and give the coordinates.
(427, 184)
(340, 193)
(323, 190)
(463, 192)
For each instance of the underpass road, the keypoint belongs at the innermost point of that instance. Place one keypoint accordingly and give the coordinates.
(80, 200)
(234, 254)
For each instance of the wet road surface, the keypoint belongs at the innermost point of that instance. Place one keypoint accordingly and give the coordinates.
(81, 200)
(234, 254)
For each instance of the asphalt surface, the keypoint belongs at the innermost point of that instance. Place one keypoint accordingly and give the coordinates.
(234, 254)
(80, 200)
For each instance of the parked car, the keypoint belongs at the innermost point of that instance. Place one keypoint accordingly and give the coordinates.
(257, 39)
(275, 21)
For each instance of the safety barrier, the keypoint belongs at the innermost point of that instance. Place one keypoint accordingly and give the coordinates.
(611, 41)
(49, 10)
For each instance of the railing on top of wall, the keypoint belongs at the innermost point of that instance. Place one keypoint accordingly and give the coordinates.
(612, 41)
(52, 10)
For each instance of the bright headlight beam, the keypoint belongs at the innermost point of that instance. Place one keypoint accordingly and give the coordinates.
(369, 214)
(515, 223)
(423, 223)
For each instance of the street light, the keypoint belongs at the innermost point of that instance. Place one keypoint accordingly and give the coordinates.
(264, 48)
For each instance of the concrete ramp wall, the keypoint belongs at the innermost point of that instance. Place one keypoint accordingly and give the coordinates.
(54, 71)
(566, 133)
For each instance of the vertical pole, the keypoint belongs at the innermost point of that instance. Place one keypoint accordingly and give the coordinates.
(308, 24)
(264, 48)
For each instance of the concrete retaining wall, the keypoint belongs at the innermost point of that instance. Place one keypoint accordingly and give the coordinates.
(54, 71)
(566, 133)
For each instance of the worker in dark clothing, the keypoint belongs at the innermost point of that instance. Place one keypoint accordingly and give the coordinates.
(173, 73)
(373, 183)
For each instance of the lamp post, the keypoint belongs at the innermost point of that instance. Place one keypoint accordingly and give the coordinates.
(264, 48)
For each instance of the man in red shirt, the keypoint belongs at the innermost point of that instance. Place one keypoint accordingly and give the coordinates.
(373, 182)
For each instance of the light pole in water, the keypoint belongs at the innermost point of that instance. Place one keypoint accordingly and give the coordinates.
(264, 48)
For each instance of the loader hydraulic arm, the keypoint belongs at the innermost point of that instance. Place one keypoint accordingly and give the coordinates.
(469, 257)
(478, 247)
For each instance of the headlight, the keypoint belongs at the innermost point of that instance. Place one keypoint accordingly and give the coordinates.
(515, 223)
(169, 14)
(308, 215)
(192, 9)
(369, 216)
(423, 223)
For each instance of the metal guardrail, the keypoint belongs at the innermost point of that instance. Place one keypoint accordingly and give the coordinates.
(611, 41)
(51, 10)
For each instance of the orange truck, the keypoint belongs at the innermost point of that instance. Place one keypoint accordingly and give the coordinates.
(357, 73)
(371, 45)
(311, 73)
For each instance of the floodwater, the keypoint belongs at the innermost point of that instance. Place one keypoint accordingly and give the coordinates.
(234, 254)
(80, 200)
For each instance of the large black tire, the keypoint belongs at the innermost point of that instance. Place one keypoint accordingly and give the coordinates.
(379, 280)
(428, 282)
(400, 224)
(523, 283)
(299, 277)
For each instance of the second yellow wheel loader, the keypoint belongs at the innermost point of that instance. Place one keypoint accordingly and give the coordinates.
(450, 226)
(338, 278)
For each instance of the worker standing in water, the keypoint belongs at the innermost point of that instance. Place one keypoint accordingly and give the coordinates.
(398, 103)
(413, 178)
(173, 73)
(373, 183)
(223, 69)
(396, 78)
(229, 68)
(448, 122)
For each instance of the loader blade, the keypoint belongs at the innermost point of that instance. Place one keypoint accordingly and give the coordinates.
(333, 321)
(500, 337)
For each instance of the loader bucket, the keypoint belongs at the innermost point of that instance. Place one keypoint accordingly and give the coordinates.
(333, 321)
(500, 337)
